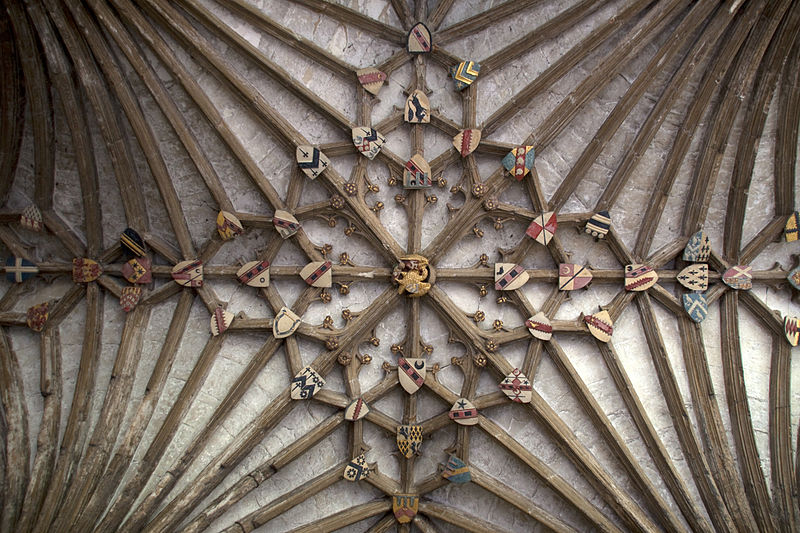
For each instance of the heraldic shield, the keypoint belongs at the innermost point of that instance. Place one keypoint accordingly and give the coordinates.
(285, 323)
(409, 440)
(356, 469)
(411, 373)
(405, 507)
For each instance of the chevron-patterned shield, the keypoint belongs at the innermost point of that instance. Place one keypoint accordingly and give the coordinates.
(791, 325)
(698, 249)
(790, 231)
(411, 373)
(371, 79)
(409, 440)
(85, 270)
(466, 141)
(464, 413)
(188, 273)
(405, 507)
(464, 74)
(456, 471)
(37, 316)
(19, 269)
(31, 218)
(572, 277)
(694, 277)
(540, 327)
(357, 410)
(220, 321)
(419, 39)
(129, 298)
(254, 274)
(517, 387)
(356, 469)
(131, 243)
(285, 223)
(794, 278)
(306, 384)
(639, 277)
(598, 225)
(317, 274)
(138, 270)
(228, 225)
(739, 277)
(696, 306)
(519, 161)
(600, 325)
(417, 173)
(311, 160)
(285, 323)
(543, 227)
(418, 108)
(367, 141)
(509, 276)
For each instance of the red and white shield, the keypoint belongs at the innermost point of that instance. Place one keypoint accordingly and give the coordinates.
(517, 387)
(411, 373)
(543, 227)
(466, 141)
(739, 277)
(37, 316)
(539, 326)
(137, 270)
(639, 277)
(188, 273)
(129, 298)
(600, 325)
(572, 277)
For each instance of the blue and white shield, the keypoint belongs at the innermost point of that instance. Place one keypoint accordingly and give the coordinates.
(696, 306)
(698, 248)
(456, 471)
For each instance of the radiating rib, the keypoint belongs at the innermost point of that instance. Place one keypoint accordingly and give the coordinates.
(780, 443)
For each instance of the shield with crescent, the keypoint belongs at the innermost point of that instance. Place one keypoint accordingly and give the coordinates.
(572, 277)
(371, 79)
(411, 373)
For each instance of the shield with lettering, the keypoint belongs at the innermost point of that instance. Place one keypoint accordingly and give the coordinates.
(188, 273)
(418, 108)
(85, 270)
(228, 225)
(254, 274)
(285, 323)
(517, 387)
(540, 327)
(409, 440)
(417, 173)
(464, 74)
(639, 277)
(466, 141)
(598, 225)
(317, 274)
(285, 224)
(456, 471)
(698, 249)
(543, 227)
(694, 277)
(600, 325)
(519, 161)
(790, 231)
(791, 325)
(220, 321)
(37, 316)
(129, 298)
(19, 269)
(572, 277)
(419, 39)
(696, 306)
(368, 141)
(131, 243)
(739, 277)
(357, 410)
(306, 384)
(356, 469)
(31, 218)
(411, 373)
(138, 270)
(464, 413)
(509, 276)
(371, 79)
(405, 507)
(311, 161)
